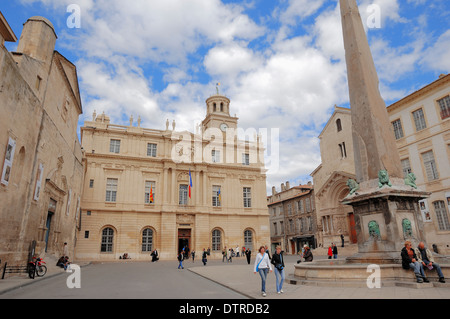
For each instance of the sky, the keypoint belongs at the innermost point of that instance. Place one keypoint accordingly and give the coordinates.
(281, 62)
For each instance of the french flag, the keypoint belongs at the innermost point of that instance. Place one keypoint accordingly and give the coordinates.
(190, 183)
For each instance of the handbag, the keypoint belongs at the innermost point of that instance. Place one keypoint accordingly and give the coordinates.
(257, 266)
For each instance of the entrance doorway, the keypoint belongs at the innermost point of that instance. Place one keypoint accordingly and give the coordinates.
(47, 225)
(351, 219)
(50, 212)
(293, 247)
(184, 240)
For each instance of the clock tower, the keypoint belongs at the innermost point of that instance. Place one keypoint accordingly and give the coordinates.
(218, 113)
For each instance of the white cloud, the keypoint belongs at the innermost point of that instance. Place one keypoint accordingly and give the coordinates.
(328, 32)
(299, 9)
(436, 57)
(117, 88)
(395, 62)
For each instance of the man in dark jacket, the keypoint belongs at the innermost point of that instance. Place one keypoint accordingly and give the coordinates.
(409, 261)
(248, 254)
(204, 257)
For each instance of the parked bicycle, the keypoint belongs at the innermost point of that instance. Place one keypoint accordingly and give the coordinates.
(37, 267)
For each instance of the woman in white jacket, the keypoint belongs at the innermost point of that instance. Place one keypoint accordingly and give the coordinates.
(263, 266)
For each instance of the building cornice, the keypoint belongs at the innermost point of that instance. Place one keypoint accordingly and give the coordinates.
(442, 81)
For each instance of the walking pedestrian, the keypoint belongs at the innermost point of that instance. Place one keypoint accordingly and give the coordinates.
(248, 254)
(335, 251)
(65, 250)
(278, 262)
(267, 251)
(330, 252)
(180, 259)
(154, 255)
(262, 266)
(204, 257)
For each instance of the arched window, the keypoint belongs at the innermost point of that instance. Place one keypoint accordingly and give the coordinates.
(221, 106)
(338, 125)
(107, 240)
(147, 240)
(216, 240)
(214, 107)
(248, 239)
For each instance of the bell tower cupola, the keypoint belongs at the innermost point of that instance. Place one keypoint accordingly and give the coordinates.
(218, 112)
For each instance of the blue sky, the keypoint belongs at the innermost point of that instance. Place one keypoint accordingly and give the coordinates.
(281, 62)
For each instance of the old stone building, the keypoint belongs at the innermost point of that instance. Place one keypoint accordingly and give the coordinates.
(41, 158)
(292, 217)
(330, 180)
(421, 126)
(149, 189)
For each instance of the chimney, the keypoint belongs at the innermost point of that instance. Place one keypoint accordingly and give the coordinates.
(287, 185)
(274, 191)
(282, 187)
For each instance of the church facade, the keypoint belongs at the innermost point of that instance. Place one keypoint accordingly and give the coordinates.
(170, 190)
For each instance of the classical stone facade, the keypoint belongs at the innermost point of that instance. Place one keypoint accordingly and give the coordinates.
(41, 158)
(292, 217)
(420, 124)
(137, 195)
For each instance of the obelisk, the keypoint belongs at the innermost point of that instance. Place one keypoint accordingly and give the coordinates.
(373, 139)
(385, 209)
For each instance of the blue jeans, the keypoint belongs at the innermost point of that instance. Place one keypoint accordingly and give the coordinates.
(180, 264)
(437, 267)
(418, 269)
(263, 273)
(279, 278)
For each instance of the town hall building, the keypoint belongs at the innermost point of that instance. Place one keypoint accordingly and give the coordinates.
(149, 189)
